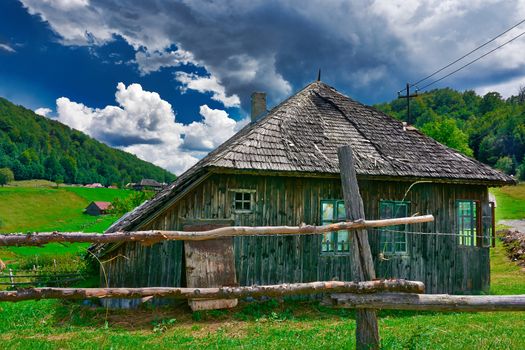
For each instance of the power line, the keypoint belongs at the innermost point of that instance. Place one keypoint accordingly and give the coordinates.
(475, 60)
(467, 54)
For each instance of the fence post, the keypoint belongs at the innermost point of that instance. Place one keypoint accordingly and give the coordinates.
(11, 278)
(367, 332)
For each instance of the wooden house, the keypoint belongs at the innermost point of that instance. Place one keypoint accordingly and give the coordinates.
(282, 169)
(97, 208)
(148, 184)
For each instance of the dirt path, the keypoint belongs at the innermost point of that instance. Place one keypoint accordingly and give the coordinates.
(518, 225)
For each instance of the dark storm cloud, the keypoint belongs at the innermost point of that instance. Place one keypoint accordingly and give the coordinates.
(367, 49)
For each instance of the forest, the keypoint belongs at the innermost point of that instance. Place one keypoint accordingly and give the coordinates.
(488, 128)
(35, 147)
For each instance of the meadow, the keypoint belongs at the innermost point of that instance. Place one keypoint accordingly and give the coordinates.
(39, 205)
(272, 324)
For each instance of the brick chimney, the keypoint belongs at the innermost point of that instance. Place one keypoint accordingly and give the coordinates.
(258, 105)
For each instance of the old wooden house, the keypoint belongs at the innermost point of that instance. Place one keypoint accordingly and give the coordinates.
(282, 169)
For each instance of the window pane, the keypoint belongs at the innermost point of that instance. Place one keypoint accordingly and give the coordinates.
(327, 244)
(238, 196)
(341, 211)
(393, 239)
(247, 206)
(238, 205)
(342, 241)
(247, 196)
(327, 209)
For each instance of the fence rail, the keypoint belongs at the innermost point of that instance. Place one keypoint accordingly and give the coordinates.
(154, 236)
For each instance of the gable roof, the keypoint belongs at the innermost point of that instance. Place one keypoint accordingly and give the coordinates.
(101, 205)
(302, 135)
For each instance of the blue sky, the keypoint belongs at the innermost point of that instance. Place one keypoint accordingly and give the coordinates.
(170, 80)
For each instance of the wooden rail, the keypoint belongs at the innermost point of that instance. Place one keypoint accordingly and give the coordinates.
(430, 302)
(219, 292)
(154, 236)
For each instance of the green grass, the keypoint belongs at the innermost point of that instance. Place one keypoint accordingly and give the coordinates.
(41, 208)
(271, 325)
(51, 324)
(510, 202)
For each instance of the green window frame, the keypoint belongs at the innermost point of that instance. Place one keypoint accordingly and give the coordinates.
(468, 224)
(336, 242)
(393, 239)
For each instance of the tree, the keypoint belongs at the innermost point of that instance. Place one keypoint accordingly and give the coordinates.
(6, 176)
(446, 131)
(505, 164)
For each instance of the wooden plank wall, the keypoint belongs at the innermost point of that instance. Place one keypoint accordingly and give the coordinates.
(438, 261)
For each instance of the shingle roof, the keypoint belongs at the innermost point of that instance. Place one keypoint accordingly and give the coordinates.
(303, 133)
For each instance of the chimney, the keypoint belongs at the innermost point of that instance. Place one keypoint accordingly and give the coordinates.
(258, 105)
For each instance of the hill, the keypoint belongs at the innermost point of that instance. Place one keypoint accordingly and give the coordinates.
(43, 208)
(488, 127)
(35, 147)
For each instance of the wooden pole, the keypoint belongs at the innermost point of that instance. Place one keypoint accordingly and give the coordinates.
(367, 331)
(215, 292)
(41, 238)
(431, 302)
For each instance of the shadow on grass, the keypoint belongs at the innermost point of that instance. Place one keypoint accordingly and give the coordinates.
(149, 317)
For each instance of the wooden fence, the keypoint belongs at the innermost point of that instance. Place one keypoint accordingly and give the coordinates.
(36, 279)
(365, 293)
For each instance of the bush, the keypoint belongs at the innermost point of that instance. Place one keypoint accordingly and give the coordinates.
(6, 176)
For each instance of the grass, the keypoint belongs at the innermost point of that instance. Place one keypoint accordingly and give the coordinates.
(43, 208)
(51, 324)
(510, 202)
(271, 325)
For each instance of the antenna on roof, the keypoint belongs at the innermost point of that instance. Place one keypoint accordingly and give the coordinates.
(319, 75)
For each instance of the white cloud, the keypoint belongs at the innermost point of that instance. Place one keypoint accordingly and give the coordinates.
(207, 84)
(506, 89)
(144, 124)
(7, 48)
(43, 111)
(215, 128)
(149, 62)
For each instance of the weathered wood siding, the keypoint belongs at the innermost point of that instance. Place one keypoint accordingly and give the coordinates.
(438, 261)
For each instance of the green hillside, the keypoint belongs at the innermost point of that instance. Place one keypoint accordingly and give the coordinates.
(25, 209)
(35, 147)
(488, 127)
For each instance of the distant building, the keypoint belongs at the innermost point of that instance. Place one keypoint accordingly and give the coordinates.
(148, 184)
(94, 185)
(98, 208)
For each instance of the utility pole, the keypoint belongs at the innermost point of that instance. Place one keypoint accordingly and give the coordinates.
(408, 97)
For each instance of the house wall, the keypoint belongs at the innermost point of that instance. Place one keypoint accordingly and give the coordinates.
(92, 209)
(438, 261)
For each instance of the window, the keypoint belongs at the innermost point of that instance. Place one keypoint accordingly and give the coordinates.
(393, 239)
(243, 200)
(468, 225)
(334, 242)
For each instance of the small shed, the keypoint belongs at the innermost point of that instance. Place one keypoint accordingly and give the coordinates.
(98, 208)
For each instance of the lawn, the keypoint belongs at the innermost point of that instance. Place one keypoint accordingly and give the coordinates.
(40, 207)
(52, 324)
(510, 202)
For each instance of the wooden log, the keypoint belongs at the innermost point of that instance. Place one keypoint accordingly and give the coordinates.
(431, 302)
(154, 236)
(278, 290)
(362, 269)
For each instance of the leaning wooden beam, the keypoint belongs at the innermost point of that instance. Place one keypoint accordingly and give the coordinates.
(431, 302)
(40, 238)
(222, 292)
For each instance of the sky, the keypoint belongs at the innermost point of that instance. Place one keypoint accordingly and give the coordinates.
(171, 80)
